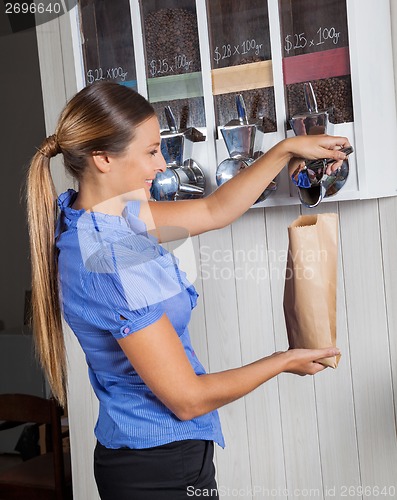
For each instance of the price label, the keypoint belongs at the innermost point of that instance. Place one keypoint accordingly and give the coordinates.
(228, 50)
(328, 36)
(162, 67)
(94, 75)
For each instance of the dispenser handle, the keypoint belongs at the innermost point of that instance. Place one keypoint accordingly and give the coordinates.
(169, 115)
(191, 189)
(241, 110)
(310, 98)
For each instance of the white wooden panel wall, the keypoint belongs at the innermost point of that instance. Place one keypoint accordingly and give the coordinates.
(334, 401)
(369, 341)
(312, 435)
(387, 215)
(59, 84)
(219, 296)
(294, 437)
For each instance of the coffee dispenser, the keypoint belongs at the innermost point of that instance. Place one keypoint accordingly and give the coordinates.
(313, 121)
(241, 137)
(183, 178)
(311, 179)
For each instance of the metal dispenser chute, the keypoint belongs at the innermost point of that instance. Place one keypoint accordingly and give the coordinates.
(313, 122)
(183, 178)
(240, 137)
(311, 179)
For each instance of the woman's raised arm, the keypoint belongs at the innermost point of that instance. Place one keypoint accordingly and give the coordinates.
(236, 196)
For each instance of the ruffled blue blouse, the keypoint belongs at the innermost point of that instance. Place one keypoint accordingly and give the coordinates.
(116, 279)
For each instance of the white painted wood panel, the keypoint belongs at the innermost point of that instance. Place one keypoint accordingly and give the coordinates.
(369, 342)
(198, 327)
(59, 84)
(54, 45)
(334, 400)
(387, 218)
(297, 396)
(220, 302)
(253, 263)
(83, 412)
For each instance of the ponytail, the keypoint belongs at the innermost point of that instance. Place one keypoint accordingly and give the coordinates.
(46, 311)
(101, 117)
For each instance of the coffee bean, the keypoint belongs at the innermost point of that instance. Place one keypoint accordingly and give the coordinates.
(259, 103)
(172, 48)
(332, 94)
(187, 112)
(169, 33)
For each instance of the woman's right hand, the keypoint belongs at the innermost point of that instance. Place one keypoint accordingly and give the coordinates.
(313, 147)
(306, 361)
(158, 356)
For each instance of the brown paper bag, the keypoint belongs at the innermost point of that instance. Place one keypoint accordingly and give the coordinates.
(310, 283)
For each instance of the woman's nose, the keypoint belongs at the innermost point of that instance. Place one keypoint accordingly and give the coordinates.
(162, 165)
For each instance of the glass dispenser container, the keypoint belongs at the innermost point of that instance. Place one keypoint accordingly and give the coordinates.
(241, 59)
(312, 121)
(107, 45)
(183, 178)
(316, 48)
(241, 137)
(173, 64)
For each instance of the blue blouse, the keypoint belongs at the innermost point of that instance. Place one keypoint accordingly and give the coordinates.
(116, 279)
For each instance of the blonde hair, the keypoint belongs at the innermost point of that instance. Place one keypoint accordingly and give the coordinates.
(101, 117)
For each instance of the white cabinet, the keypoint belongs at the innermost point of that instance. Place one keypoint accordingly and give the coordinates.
(197, 54)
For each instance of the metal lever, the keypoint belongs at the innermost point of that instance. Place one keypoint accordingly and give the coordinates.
(190, 189)
(314, 164)
(170, 117)
(241, 110)
(310, 98)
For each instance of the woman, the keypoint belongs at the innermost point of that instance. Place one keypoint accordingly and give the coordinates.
(127, 301)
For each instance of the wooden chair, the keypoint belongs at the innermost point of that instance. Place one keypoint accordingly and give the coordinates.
(44, 477)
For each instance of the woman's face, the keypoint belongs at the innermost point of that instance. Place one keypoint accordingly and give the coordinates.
(139, 165)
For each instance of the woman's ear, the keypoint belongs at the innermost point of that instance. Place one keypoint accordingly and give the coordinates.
(101, 161)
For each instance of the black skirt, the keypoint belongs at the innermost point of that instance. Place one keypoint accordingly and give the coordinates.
(177, 470)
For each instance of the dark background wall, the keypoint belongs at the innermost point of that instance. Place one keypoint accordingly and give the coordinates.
(22, 128)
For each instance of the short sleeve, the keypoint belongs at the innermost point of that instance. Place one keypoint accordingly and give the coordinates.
(108, 308)
(126, 275)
